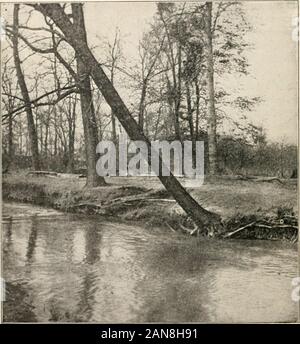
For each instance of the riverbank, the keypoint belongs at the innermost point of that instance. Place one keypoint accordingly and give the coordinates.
(249, 209)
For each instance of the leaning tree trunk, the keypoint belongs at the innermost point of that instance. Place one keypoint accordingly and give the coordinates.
(87, 106)
(25, 94)
(211, 121)
(203, 218)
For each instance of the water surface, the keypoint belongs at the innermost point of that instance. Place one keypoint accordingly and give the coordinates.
(62, 267)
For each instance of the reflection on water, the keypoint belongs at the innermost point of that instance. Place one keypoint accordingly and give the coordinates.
(79, 268)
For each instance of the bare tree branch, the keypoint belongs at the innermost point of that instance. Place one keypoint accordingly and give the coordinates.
(34, 103)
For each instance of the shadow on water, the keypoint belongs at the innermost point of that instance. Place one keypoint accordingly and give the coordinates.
(77, 268)
(32, 240)
(17, 307)
(89, 281)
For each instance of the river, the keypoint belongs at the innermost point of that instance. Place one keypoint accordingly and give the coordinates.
(66, 267)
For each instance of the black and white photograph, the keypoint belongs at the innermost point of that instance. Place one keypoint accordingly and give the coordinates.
(149, 162)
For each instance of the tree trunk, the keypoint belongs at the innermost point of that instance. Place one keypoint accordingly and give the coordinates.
(142, 105)
(46, 137)
(25, 94)
(11, 152)
(55, 131)
(178, 95)
(86, 101)
(211, 120)
(113, 119)
(71, 141)
(71, 136)
(197, 91)
(203, 218)
(113, 123)
(191, 122)
(113, 127)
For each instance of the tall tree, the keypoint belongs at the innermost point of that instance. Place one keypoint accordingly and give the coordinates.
(114, 53)
(173, 52)
(86, 101)
(202, 217)
(71, 119)
(211, 111)
(9, 104)
(24, 90)
(149, 56)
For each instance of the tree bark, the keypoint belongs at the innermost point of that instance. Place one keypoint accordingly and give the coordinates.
(11, 150)
(86, 100)
(70, 165)
(47, 136)
(177, 99)
(71, 134)
(191, 121)
(211, 120)
(197, 91)
(25, 94)
(142, 104)
(202, 217)
(113, 118)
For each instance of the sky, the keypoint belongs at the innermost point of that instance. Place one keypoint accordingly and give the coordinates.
(273, 57)
(273, 70)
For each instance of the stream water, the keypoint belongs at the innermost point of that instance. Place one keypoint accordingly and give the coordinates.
(64, 267)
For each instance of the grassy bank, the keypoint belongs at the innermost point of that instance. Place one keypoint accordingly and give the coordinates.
(239, 202)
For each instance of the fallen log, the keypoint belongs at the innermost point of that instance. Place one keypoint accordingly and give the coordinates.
(259, 179)
(268, 180)
(42, 173)
(276, 226)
